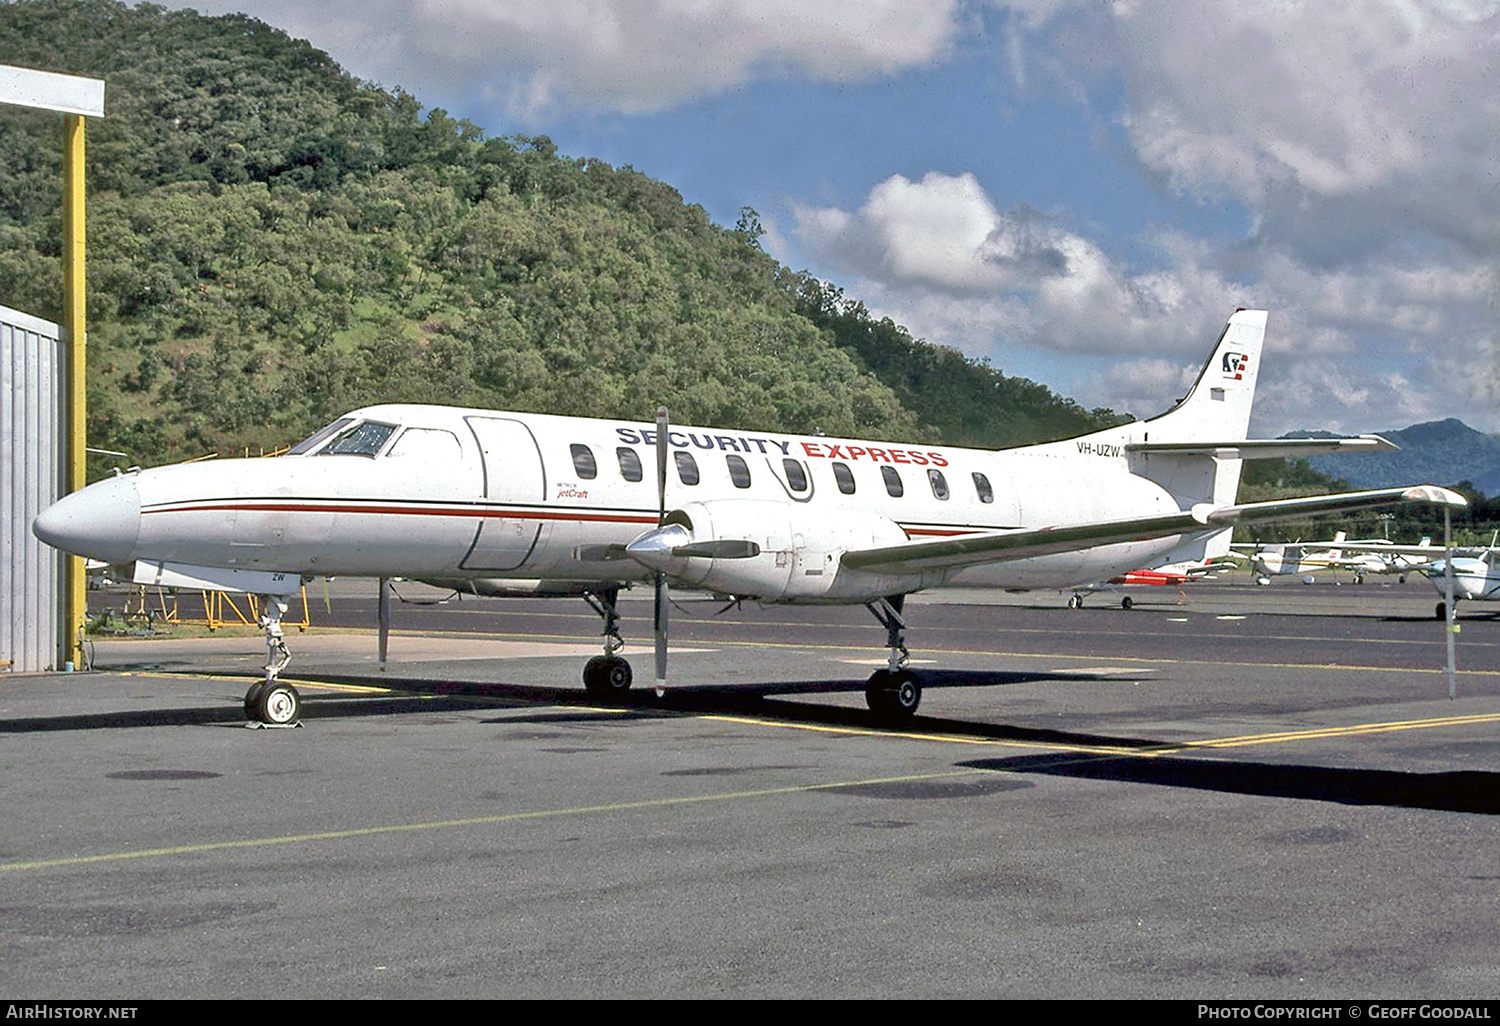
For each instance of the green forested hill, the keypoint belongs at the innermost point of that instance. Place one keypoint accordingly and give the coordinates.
(273, 242)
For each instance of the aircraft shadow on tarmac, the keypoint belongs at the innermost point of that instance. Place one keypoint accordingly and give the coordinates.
(1466, 791)
(1459, 791)
(403, 696)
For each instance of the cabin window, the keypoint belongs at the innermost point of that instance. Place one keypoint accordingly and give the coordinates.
(892, 481)
(982, 487)
(739, 472)
(687, 467)
(363, 439)
(583, 461)
(796, 475)
(939, 483)
(428, 445)
(318, 437)
(630, 463)
(845, 477)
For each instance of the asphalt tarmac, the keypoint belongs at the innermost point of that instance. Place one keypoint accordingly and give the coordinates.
(1258, 793)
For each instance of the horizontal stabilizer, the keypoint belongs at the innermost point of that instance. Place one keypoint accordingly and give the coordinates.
(1269, 448)
(1003, 546)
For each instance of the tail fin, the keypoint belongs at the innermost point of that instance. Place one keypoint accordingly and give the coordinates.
(1218, 406)
(1187, 450)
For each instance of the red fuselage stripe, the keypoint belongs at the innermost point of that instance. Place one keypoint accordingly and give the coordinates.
(577, 516)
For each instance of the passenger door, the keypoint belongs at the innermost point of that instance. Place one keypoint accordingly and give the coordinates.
(514, 490)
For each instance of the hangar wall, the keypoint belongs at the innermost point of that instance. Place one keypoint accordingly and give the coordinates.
(31, 439)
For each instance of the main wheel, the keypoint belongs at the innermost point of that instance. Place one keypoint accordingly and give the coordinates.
(1126, 602)
(1442, 611)
(1075, 601)
(278, 704)
(606, 675)
(893, 696)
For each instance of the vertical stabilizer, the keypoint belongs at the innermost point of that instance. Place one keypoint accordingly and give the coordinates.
(1215, 410)
(1218, 407)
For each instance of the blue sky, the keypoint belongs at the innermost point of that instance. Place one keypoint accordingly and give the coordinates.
(1080, 191)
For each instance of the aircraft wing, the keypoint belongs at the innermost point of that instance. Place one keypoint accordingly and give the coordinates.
(1434, 551)
(1003, 546)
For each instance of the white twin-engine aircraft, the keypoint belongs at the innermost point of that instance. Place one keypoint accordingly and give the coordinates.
(527, 503)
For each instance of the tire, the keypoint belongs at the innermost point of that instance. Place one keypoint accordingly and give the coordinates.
(893, 697)
(252, 699)
(278, 704)
(1126, 602)
(1442, 611)
(607, 675)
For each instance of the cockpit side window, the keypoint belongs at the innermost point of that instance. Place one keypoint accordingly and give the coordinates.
(319, 436)
(428, 445)
(363, 439)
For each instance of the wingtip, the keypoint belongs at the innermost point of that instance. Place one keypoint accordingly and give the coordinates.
(1437, 496)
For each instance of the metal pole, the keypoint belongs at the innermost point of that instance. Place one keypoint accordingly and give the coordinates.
(75, 328)
(385, 618)
(1451, 625)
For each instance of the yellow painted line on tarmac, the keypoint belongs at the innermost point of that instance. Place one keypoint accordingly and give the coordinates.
(1347, 731)
(914, 735)
(357, 689)
(451, 824)
(1157, 751)
(1150, 752)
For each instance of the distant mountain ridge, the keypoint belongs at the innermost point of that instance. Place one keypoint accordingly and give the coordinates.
(1441, 452)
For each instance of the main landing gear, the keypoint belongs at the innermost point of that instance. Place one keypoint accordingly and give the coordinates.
(271, 702)
(608, 674)
(894, 693)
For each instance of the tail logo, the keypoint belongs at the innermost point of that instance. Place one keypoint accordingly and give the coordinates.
(1235, 365)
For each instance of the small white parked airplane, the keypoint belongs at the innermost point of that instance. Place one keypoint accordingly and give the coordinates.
(529, 503)
(1303, 559)
(1476, 568)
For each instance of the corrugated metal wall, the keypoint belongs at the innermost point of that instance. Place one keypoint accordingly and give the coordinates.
(31, 440)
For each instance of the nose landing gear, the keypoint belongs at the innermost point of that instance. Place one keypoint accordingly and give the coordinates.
(272, 703)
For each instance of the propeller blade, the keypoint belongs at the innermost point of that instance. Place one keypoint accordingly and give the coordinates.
(727, 548)
(661, 465)
(660, 548)
(661, 634)
(661, 578)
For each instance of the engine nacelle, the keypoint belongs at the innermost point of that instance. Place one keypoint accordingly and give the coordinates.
(800, 552)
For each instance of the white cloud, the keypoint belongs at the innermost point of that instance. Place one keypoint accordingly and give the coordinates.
(942, 232)
(941, 253)
(1347, 128)
(610, 55)
(1379, 341)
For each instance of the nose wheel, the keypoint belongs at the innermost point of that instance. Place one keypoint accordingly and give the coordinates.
(608, 674)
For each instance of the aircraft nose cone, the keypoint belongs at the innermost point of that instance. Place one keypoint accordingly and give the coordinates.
(103, 521)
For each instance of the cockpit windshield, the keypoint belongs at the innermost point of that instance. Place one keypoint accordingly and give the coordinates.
(319, 436)
(346, 437)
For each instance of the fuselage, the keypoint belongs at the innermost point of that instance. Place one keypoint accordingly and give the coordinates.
(1474, 578)
(441, 492)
